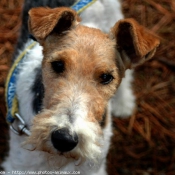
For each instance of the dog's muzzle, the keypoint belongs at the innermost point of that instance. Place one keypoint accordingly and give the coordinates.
(63, 141)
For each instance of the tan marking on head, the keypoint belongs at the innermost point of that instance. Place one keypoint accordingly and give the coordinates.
(87, 53)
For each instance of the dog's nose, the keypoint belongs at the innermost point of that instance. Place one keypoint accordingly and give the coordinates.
(63, 141)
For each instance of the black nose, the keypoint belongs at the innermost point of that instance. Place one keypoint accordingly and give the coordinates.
(63, 141)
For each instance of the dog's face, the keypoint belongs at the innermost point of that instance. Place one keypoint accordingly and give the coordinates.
(81, 70)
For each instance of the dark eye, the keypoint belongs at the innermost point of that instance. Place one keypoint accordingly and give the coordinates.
(58, 66)
(106, 78)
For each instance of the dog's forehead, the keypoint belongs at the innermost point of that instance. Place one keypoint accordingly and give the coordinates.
(86, 41)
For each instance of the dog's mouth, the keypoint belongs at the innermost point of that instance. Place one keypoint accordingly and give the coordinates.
(59, 139)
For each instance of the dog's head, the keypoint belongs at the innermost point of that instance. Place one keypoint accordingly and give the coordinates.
(81, 70)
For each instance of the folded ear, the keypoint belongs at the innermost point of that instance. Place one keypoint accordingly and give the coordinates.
(44, 21)
(134, 43)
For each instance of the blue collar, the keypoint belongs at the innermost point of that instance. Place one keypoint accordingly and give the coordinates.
(81, 5)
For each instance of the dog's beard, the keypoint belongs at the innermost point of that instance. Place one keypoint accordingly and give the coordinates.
(88, 148)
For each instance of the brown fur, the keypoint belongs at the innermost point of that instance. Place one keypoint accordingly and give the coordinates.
(43, 20)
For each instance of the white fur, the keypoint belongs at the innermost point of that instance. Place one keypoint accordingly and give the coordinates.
(26, 80)
(102, 14)
(123, 102)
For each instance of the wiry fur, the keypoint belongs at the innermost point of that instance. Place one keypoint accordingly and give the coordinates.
(76, 99)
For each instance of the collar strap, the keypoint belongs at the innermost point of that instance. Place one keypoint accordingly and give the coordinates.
(81, 5)
(10, 88)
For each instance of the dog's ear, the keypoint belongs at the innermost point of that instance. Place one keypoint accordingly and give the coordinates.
(45, 21)
(134, 42)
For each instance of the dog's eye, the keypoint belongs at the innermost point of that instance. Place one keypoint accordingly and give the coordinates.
(58, 66)
(106, 78)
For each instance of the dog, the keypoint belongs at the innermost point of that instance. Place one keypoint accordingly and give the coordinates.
(69, 82)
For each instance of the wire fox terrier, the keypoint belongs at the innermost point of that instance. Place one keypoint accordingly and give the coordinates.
(66, 82)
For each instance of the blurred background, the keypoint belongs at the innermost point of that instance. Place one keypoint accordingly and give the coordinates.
(143, 144)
